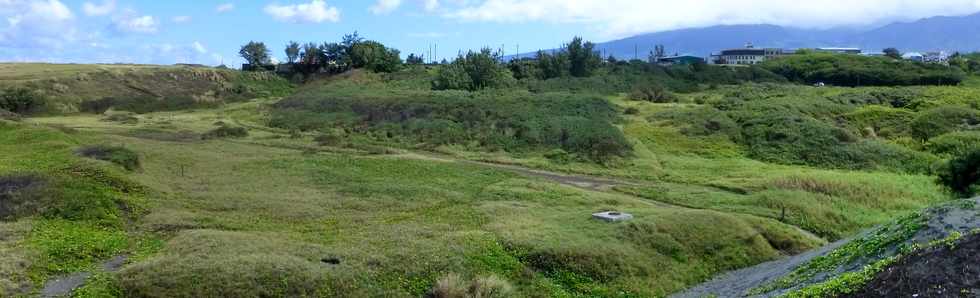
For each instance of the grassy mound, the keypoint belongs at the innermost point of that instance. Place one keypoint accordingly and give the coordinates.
(492, 120)
(62, 214)
(208, 263)
(119, 155)
(135, 88)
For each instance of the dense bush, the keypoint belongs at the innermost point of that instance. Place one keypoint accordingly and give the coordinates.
(961, 174)
(224, 131)
(884, 121)
(955, 143)
(144, 105)
(374, 56)
(119, 155)
(701, 121)
(473, 71)
(512, 121)
(20, 100)
(21, 195)
(856, 70)
(934, 122)
(794, 140)
(653, 93)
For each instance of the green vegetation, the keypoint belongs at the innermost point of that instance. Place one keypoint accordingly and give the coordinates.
(119, 155)
(870, 246)
(20, 101)
(58, 89)
(511, 121)
(856, 70)
(225, 131)
(473, 71)
(961, 174)
(426, 179)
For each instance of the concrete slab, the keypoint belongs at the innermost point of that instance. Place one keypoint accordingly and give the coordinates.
(612, 216)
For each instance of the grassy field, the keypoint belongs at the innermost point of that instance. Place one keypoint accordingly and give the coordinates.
(276, 212)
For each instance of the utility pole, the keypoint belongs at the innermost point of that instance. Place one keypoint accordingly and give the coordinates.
(636, 52)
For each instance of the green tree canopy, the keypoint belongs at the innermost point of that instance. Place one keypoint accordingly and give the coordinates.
(256, 53)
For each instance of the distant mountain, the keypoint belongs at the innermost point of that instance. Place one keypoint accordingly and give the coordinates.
(937, 33)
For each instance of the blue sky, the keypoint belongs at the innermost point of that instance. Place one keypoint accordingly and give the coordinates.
(210, 32)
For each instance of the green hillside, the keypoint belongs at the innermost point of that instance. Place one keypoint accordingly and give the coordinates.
(206, 182)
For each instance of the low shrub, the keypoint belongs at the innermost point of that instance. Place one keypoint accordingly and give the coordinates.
(21, 195)
(886, 122)
(937, 121)
(8, 115)
(954, 143)
(961, 174)
(119, 155)
(124, 118)
(146, 104)
(225, 132)
(652, 93)
(500, 120)
(453, 286)
(21, 100)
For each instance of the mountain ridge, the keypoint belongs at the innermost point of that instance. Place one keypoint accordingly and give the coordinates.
(949, 33)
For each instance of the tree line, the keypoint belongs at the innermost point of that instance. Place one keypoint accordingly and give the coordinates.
(483, 69)
(351, 52)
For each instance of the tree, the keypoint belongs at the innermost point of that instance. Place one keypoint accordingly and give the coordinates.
(892, 53)
(414, 60)
(474, 71)
(312, 54)
(256, 53)
(961, 174)
(583, 59)
(554, 65)
(292, 51)
(374, 56)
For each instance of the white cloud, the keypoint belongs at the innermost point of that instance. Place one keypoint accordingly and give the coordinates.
(385, 6)
(38, 23)
(199, 47)
(92, 9)
(430, 5)
(181, 19)
(316, 11)
(130, 22)
(226, 7)
(617, 18)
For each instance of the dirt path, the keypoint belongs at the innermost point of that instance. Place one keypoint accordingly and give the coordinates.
(63, 286)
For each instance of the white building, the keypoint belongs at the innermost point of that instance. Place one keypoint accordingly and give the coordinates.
(746, 56)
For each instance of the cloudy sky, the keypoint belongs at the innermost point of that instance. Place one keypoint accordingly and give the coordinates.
(210, 32)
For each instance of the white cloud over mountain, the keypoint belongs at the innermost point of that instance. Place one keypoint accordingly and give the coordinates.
(625, 17)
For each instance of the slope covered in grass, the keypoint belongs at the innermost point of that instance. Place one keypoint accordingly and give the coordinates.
(65, 88)
(249, 217)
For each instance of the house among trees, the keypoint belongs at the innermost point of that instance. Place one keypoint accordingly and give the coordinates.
(914, 56)
(940, 57)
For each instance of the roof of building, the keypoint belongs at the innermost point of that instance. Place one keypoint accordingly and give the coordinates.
(838, 49)
(681, 56)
